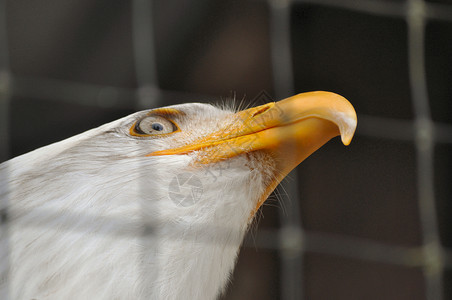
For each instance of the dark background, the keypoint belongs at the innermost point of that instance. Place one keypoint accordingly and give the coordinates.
(71, 65)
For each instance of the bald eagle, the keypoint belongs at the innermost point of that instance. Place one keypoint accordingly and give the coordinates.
(133, 209)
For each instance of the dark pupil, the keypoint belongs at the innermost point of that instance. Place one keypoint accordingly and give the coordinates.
(157, 127)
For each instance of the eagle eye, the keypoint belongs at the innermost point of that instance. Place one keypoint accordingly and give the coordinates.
(153, 125)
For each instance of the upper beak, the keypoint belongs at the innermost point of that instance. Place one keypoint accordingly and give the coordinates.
(290, 130)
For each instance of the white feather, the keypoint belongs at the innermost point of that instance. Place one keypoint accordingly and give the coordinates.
(91, 217)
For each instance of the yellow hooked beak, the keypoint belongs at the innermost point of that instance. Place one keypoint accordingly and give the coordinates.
(290, 130)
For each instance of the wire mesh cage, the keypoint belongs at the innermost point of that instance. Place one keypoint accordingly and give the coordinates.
(368, 222)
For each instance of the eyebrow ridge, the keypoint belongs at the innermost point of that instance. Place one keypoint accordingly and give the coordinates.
(166, 112)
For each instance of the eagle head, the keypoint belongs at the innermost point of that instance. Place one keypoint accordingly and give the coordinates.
(154, 205)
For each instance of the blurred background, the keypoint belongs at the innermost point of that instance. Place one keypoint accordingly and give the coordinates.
(368, 221)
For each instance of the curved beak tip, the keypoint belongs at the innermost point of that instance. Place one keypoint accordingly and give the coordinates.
(347, 130)
(329, 106)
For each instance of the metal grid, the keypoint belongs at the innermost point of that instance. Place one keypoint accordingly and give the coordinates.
(291, 240)
(4, 85)
(432, 257)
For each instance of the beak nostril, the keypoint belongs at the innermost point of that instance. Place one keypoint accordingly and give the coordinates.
(260, 111)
